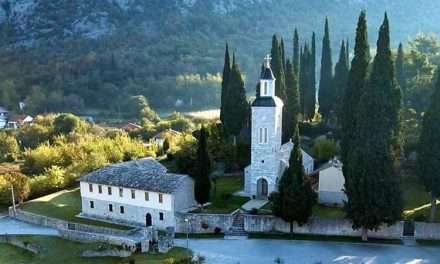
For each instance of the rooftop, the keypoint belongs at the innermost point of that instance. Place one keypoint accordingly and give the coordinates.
(267, 101)
(145, 174)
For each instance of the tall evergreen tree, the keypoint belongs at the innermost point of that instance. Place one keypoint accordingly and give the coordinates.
(202, 186)
(236, 107)
(326, 93)
(400, 68)
(295, 198)
(296, 52)
(278, 69)
(428, 158)
(225, 84)
(313, 68)
(340, 81)
(356, 82)
(308, 90)
(283, 55)
(374, 195)
(293, 102)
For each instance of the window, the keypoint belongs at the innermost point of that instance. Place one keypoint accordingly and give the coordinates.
(161, 216)
(160, 198)
(121, 192)
(133, 194)
(263, 136)
(122, 209)
(110, 207)
(90, 187)
(265, 90)
(99, 188)
(147, 196)
(92, 204)
(109, 190)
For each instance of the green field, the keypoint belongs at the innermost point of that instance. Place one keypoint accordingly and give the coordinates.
(56, 250)
(417, 202)
(222, 199)
(63, 205)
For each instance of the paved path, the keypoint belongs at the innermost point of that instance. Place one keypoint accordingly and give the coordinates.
(13, 227)
(256, 251)
(251, 204)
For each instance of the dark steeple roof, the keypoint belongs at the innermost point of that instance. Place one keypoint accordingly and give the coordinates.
(267, 74)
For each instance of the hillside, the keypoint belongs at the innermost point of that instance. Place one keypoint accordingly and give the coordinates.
(79, 55)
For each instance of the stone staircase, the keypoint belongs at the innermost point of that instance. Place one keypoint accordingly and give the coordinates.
(236, 231)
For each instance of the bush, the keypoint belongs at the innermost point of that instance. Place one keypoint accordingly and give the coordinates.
(42, 158)
(324, 149)
(9, 149)
(217, 230)
(21, 187)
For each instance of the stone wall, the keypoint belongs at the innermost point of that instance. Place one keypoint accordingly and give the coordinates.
(64, 225)
(86, 237)
(13, 240)
(203, 223)
(107, 253)
(427, 231)
(316, 226)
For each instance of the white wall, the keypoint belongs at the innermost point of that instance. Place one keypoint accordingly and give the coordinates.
(331, 179)
(139, 200)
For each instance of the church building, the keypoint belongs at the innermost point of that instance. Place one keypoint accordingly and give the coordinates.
(269, 157)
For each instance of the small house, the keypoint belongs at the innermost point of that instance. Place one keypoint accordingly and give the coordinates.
(159, 138)
(4, 115)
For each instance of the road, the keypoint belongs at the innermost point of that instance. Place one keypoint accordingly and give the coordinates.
(257, 251)
(13, 227)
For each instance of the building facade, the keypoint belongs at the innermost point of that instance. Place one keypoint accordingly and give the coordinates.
(331, 184)
(269, 158)
(139, 193)
(4, 115)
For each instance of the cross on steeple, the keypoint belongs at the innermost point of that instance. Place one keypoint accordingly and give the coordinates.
(267, 60)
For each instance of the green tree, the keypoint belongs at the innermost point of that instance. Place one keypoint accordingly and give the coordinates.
(9, 149)
(340, 81)
(296, 52)
(372, 167)
(295, 198)
(21, 187)
(307, 88)
(293, 102)
(355, 87)
(278, 69)
(65, 124)
(326, 93)
(202, 178)
(225, 83)
(236, 108)
(429, 149)
(400, 69)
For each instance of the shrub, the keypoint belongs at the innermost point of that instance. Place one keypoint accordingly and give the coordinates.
(21, 187)
(217, 230)
(38, 160)
(324, 149)
(205, 225)
(9, 149)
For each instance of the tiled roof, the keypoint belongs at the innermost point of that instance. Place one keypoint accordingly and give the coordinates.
(145, 174)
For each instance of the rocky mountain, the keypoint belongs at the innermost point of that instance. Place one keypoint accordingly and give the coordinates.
(74, 43)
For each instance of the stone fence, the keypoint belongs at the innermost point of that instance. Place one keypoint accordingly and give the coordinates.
(203, 223)
(426, 231)
(208, 223)
(317, 226)
(87, 237)
(13, 240)
(59, 224)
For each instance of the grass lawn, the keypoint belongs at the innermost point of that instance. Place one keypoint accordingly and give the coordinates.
(322, 211)
(417, 202)
(57, 250)
(222, 199)
(63, 205)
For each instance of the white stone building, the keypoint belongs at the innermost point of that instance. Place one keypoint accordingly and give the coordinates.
(139, 193)
(4, 114)
(269, 158)
(331, 184)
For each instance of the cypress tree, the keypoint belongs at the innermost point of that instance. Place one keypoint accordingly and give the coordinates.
(296, 52)
(400, 68)
(354, 90)
(340, 80)
(278, 69)
(225, 79)
(374, 192)
(308, 89)
(295, 198)
(202, 186)
(428, 158)
(313, 69)
(293, 102)
(326, 95)
(302, 81)
(236, 107)
(283, 55)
